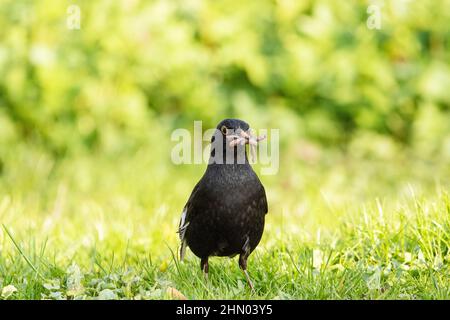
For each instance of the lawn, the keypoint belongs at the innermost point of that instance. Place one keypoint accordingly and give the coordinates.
(340, 226)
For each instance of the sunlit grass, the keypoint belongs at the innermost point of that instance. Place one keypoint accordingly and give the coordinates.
(90, 227)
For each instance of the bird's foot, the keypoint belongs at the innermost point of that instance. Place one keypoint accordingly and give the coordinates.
(249, 281)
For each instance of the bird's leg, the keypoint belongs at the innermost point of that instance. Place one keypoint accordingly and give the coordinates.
(243, 266)
(205, 267)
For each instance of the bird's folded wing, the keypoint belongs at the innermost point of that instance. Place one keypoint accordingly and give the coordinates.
(263, 201)
(184, 222)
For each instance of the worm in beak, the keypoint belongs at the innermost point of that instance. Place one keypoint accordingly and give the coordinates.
(246, 138)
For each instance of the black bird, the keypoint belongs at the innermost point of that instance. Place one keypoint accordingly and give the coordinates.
(225, 213)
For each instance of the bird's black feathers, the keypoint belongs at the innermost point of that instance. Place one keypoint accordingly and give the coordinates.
(225, 213)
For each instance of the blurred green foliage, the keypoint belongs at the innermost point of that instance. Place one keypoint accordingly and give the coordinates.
(137, 69)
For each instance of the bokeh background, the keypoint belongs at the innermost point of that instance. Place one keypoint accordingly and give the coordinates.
(86, 115)
(312, 68)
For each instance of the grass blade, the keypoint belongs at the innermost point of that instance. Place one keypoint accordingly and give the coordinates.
(21, 252)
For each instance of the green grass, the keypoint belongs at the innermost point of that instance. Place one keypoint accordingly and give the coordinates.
(339, 228)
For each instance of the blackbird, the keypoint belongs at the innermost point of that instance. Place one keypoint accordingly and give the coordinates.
(225, 213)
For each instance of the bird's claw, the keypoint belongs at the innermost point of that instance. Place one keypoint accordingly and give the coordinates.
(249, 281)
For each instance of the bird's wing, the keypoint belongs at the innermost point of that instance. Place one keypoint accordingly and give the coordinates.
(263, 200)
(184, 222)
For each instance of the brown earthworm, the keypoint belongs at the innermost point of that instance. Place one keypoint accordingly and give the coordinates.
(246, 137)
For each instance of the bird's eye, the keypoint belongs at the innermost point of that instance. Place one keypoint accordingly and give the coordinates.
(224, 130)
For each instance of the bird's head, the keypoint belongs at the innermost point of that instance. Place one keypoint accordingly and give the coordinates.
(232, 129)
(234, 134)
